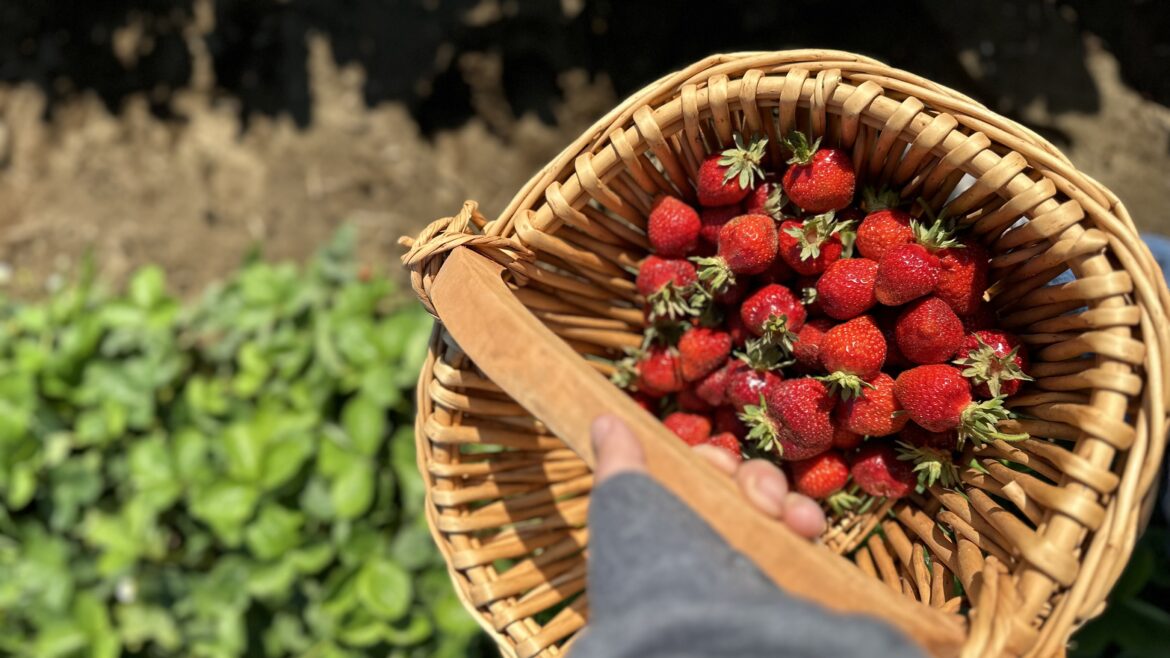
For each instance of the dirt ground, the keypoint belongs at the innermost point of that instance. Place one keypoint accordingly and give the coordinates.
(194, 191)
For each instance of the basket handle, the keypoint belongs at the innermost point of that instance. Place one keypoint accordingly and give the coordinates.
(546, 377)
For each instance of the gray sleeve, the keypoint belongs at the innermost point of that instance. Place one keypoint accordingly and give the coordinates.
(662, 583)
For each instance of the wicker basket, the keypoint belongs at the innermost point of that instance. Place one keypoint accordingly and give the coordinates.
(1035, 549)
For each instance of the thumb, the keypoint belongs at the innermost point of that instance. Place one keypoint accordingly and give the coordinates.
(615, 448)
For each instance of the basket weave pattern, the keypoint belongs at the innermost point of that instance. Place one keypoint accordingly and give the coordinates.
(1036, 549)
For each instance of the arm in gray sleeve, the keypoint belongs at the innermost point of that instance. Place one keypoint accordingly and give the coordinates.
(662, 583)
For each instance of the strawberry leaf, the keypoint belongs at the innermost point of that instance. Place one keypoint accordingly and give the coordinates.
(979, 422)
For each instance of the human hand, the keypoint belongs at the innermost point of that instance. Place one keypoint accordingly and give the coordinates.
(617, 450)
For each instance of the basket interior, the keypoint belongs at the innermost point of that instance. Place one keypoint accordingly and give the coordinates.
(1057, 512)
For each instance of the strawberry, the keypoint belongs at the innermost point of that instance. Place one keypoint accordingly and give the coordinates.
(983, 317)
(673, 227)
(727, 420)
(843, 439)
(809, 246)
(895, 360)
(884, 227)
(701, 351)
(747, 245)
(689, 400)
(728, 177)
(766, 199)
(712, 389)
(693, 429)
(938, 398)
(659, 372)
(845, 290)
(823, 478)
(962, 276)
(878, 471)
(773, 312)
(928, 331)
(852, 352)
(818, 180)
(806, 349)
(909, 271)
(994, 361)
(747, 384)
(713, 219)
(728, 442)
(875, 412)
(667, 285)
(794, 420)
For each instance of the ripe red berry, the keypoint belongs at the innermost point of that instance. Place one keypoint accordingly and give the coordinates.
(938, 398)
(845, 440)
(962, 277)
(659, 372)
(673, 228)
(994, 361)
(727, 420)
(856, 347)
(701, 351)
(795, 421)
(746, 385)
(713, 219)
(691, 428)
(726, 178)
(884, 228)
(669, 287)
(806, 349)
(747, 245)
(772, 310)
(879, 472)
(821, 476)
(810, 246)
(818, 179)
(766, 199)
(928, 331)
(906, 272)
(727, 441)
(876, 412)
(845, 290)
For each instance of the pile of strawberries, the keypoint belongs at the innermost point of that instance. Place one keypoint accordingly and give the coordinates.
(848, 342)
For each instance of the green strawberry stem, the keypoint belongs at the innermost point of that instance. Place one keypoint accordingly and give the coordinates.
(979, 422)
(627, 371)
(761, 429)
(760, 354)
(672, 302)
(814, 232)
(984, 366)
(808, 295)
(743, 162)
(931, 464)
(714, 274)
(774, 205)
(802, 151)
(873, 199)
(846, 385)
(843, 501)
(776, 333)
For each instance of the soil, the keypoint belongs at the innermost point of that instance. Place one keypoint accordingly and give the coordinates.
(194, 173)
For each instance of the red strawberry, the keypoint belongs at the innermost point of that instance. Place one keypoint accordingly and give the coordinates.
(659, 372)
(667, 285)
(746, 385)
(845, 290)
(712, 389)
(689, 400)
(885, 227)
(766, 199)
(994, 361)
(713, 219)
(886, 318)
(809, 247)
(701, 351)
(747, 245)
(727, 420)
(843, 439)
(728, 442)
(983, 317)
(673, 227)
(818, 180)
(853, 351)
(906, 272)
(909, 271)
(938, 398)
(772, 312)
(875, 412)
(962, 277)
(928, 331)
(879, 472)
(806, 349)
(821, 477)
(795, 420)
(728, 177)
(691, 428)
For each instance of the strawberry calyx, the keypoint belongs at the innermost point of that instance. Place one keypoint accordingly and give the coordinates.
(874, 199)
(931, 464)
(673, 302)
(627, 370)
(846, 385)
(808, 295)
(774, 204)
(761, 429)
(985, 366)
(743, 161)
(802, 150)
(979, 422)
(814, 232)
(714, 274)
(843, 501)
(776, 332)
(763, 355)
(939, 234)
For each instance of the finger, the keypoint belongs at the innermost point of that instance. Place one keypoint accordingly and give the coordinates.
(804, 516)
(717, 457)
(615, 448)
(764, 486)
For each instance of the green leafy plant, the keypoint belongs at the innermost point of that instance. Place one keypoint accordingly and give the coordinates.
(231, 478)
